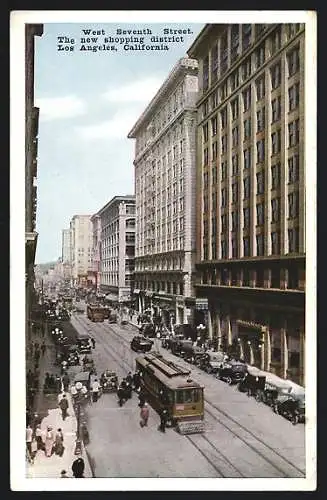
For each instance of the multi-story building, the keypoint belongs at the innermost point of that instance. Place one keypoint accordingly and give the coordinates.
(165, 166)
(117, 223)
(66, 245)
(31, 134)
(251, 191)
(96, 248)
(81, 248)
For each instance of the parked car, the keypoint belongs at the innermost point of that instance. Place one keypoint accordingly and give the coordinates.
(84, 344)
(140, 343)
(148, 330)
(186, 330)
(232, 371)
(253, 385)
(291, 406)
(212, 361)
(109, 381)
(193, 354)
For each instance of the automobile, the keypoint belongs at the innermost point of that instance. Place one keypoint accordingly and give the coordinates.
(253, 384)
(140, 343)
(112, 317)
(291, 406)
(148, 330)
(212, 361)
(109, 381)
(186, 330)
(84, 377)
(232, 371)
(193, 354)
(183, 347)
(84, 344)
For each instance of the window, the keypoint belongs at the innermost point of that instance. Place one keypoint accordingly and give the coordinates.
(223, 144)
(260, 244)
(247, 186)
(275, 41)
(260, 150)
(235, 40)
(275, 142)
(224, 197)
(246, 218)
(205, 203)
(214, 150)
(260, 56)
(223, 169)
(223, 54)
(275, 208)
(246, 68)
(259, 30)
(246, 247)
(293, 133)
(213, 226)
(275, 109)
(293, 169)
(260, 119)
(234, 221)
(293, 205)
(214, 63)
(260, 87)
(223, 91)
(214, 175)
(214, 100)
(235, 136)
(234, 108)
(223, 222)
(247, 128)
(293, 61)
(260, 183)
(205, 132)
(275, 176)
(223, 247)
(234, 192)
(223, 117)
(205, 109)
(205, 80)
(234, 248)
(275, 74)
(292, 29)
(275, 243)
(260, 214)
(247, 158)
(247, 99)
(205, 180)
(214, 125)
(205, 156)
(246, 36)
(235, 164)
(293, 96)
(293, 240)
(234, 80)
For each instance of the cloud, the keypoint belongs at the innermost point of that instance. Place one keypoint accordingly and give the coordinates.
(57, 108)
(138, 91)
(115, 128)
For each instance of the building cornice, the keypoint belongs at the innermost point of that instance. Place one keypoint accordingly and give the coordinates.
(114, 200)
(201, 41)
(183, 66)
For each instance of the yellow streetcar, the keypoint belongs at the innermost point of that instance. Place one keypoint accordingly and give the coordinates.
(168, 385)
(95, 313)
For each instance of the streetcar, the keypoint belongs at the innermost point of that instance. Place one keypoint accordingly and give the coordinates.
(170, 386)
(95, 313)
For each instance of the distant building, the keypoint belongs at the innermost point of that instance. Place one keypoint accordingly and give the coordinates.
(96, 249)
(117, 222)
(81, 248)
(165, 167)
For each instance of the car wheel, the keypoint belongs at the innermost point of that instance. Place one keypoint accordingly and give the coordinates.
(295, 419)
(275, 408)
(229, 380)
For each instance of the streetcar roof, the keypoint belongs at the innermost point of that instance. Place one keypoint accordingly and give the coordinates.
(169, 379)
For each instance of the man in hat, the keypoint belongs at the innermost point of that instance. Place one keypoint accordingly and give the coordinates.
(63, 406)
(144, 414)
(78, 467)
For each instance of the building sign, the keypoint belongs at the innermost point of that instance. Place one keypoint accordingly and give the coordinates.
(249, 324)
(201, 304)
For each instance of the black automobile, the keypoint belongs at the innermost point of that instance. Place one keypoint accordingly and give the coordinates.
(84, 344)
(140, 343)
(148, 330)
(253, 385)
(212, 361)
(291, 406)
(232, 372)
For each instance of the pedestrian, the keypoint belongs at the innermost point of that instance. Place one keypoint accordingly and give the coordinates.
(144, 414)
(63, 473)
(163, 420)
(59, 440)
(49, 441)
(95, 390)
(129, 378)
(93, 343)
(78, 467)
(65, 381)
(38, 437)
(29, 439)
(64, 406)
(43, 348)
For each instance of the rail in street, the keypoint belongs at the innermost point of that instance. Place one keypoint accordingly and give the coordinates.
(243, 438)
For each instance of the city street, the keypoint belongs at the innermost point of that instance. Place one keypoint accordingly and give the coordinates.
(243, 438)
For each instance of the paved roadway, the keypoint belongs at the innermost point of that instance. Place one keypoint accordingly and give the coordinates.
(243, 438)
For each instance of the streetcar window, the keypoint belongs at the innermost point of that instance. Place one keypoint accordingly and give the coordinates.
(179, 397)
(195, 395)
(188, 396)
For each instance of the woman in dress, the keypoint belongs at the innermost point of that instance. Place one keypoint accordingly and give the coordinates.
(49, 441)
(59, 440)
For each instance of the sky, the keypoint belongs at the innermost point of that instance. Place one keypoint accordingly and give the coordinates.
(88, 102)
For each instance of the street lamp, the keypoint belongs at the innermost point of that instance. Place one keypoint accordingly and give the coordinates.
(78, 443)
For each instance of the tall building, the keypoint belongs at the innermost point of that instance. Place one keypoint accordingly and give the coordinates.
(66, 246)
(117, 222)
(164, 164)
(81, 248)
(251, 191)
(31, 141)
(96, 249)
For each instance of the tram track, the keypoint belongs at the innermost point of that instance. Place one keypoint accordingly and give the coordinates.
(284, 467)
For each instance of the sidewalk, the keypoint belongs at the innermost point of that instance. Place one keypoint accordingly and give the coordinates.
(50, 467)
